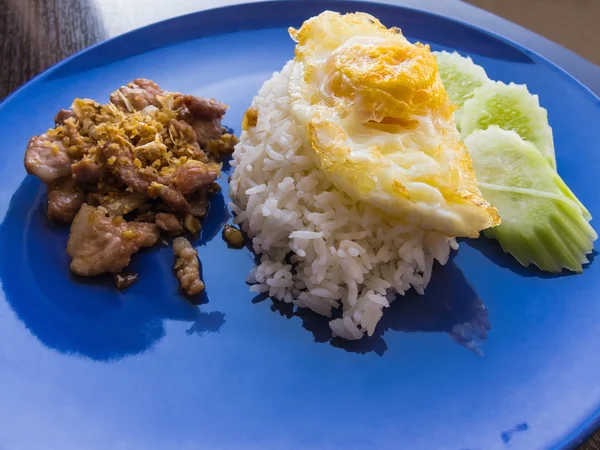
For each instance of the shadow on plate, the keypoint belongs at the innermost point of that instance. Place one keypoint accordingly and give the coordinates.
(492, 250)
(87, 316)
(215, 219)
(449, 305)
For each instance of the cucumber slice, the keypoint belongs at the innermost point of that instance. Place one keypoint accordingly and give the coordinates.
(460, 76)
(511, 107)
(543, 223)
(549, 232)
(502, 158)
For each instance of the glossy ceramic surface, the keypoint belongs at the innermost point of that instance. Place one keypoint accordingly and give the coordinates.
(84, 366)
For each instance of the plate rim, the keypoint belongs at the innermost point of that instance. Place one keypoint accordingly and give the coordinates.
(573, 438)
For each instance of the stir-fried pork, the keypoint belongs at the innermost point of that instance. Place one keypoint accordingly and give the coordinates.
(119, 203)
(137, 95)
(87, 171)
(149, 155)
(64, 200)
(193, 176)
(99, 243)
(187, 266)
(47, 158)
(168, 222)
(62, 116)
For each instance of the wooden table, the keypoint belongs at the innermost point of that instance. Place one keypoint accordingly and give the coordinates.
(34, 34)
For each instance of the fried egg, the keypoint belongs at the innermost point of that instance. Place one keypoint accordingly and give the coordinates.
(380, 125)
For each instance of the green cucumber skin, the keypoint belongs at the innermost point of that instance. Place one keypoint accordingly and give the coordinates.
(549, 230)
(561, 241)
(543, 223)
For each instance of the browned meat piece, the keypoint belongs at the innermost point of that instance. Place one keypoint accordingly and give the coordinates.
(73, 139)
(207, 130)
(121, 160)
(87, 171)
(182, 132)
(99, 243)
(186, 179)
(204, 115)
(47, 158)
(167, 222)
(64, 200)
(135, 179)
(121, 203)
(193, 108)
(195, 175)
(63, 115)
(145, 233)
(170, 196)
(136, 95)
(187, 266)
(198, 204)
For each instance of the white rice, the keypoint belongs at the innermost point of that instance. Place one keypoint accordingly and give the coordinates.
(320, 248)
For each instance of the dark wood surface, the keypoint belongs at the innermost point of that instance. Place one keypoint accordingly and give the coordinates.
(34, 34)
(571, 23)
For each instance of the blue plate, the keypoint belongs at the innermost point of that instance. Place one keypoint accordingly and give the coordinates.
(84, 366)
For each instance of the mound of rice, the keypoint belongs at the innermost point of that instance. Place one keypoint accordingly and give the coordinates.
(320, 248)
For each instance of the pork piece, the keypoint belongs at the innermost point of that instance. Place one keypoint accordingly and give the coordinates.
(87, 171)
(64, 200)
(195, 175)
(136, 95)
(143, 180)
(120, 203)
(181, 131)
(47, 158)
(63, 115)
(204, 115)
(73, 140)
(172, 189)
(168, 222)
(170, 196)
(207, 130)
(121, 160)
(99, 243)
(187, 267)
(192, 108)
